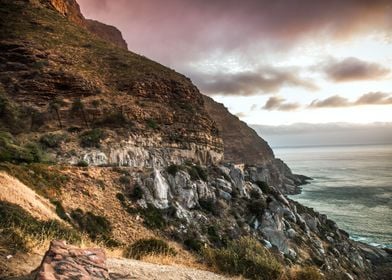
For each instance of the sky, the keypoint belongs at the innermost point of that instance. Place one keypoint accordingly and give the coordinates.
(269, 62)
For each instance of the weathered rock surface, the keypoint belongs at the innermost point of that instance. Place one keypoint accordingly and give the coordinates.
(63, 262)
(106, 32)
(241, 143)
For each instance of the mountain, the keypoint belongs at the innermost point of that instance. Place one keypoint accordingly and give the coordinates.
(102, 146)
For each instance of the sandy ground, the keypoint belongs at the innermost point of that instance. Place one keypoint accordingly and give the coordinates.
(132, 269)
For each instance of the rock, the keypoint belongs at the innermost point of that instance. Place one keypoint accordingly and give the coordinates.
(291, 233)
(64, 261)
(224, 185)
(224, 195)
(292, 254)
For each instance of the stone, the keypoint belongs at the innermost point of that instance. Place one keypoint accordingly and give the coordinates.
(62, 262)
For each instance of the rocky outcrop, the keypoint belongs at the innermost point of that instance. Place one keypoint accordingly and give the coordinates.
(71, 10)
(231, 203)
(64, 261)
(241, 143)
(106, 32)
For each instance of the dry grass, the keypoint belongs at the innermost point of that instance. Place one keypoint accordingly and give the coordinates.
(13, 191)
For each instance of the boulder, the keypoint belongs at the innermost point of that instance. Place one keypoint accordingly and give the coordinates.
(64, 261)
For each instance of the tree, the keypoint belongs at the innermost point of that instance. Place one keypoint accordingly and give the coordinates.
(78, 107)
(54, 107)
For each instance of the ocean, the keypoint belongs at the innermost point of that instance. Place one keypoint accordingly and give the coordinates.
(352, 185)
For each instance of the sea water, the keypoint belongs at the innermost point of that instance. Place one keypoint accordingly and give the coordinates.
(352, 185)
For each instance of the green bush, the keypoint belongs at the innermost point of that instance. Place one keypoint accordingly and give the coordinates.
(60, 211)
(137, 192)
(210, 206)
(151, 123)
(246, 257)
(145, 247)
(97, 227)
(125, 180)
(14, 219)
(12, 152)
(91, 138)
(264, 187)
(197, 173)
(257, 207)
(153, 218)
(173, 169)
(82, 163)
(52, 140)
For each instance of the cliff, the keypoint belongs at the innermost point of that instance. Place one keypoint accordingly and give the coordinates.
(57, 76)
(106, 32)
(241, 143)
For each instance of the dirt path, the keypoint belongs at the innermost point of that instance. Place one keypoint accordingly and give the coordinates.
(131, 269)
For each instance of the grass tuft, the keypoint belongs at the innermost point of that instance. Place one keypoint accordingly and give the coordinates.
(145, 247)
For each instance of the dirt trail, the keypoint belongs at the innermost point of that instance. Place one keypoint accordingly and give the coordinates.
(126, 269)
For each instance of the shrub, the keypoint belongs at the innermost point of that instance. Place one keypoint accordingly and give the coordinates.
(151, 123)
(173, 169)
(97, 227)
(193, 244)
(52, 140)
(91, 138)
(197, 173)
(256, 207)
(12, 152)
(60, 211)
(137, 192)
(153, 218)
(82, 163)
(308, 273)
(125, 180)
(264, 187)
(210, 205)
(15, 220)
(246, 257)
(145, 247)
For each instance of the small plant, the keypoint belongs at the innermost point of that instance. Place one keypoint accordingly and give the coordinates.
(145, 247)
(151, 123)
(210, 205)
(246, 257)
(82, 163)
(91, 138)
(153, 218)
(52, 140)
(257, 207)
(125, 180)
(308, 273)
(97, 227)
(197, 173)
(173, 169)
(60, 211)
(137, 192)
(264, 187)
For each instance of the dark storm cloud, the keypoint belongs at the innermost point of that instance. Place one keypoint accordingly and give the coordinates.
(371, 98)
(174, 30)
(280, 104)
(351, 69)
(264, 80)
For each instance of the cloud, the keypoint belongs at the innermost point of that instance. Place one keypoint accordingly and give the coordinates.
(353, 69)
(264, 80)
(280, 104)
(188, 28)
(333, 101)
(379, 98)
(371, 98)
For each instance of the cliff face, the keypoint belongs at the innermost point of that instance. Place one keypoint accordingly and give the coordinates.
(241, 143)
(106, 32)
(71, 10)
(71, 81)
